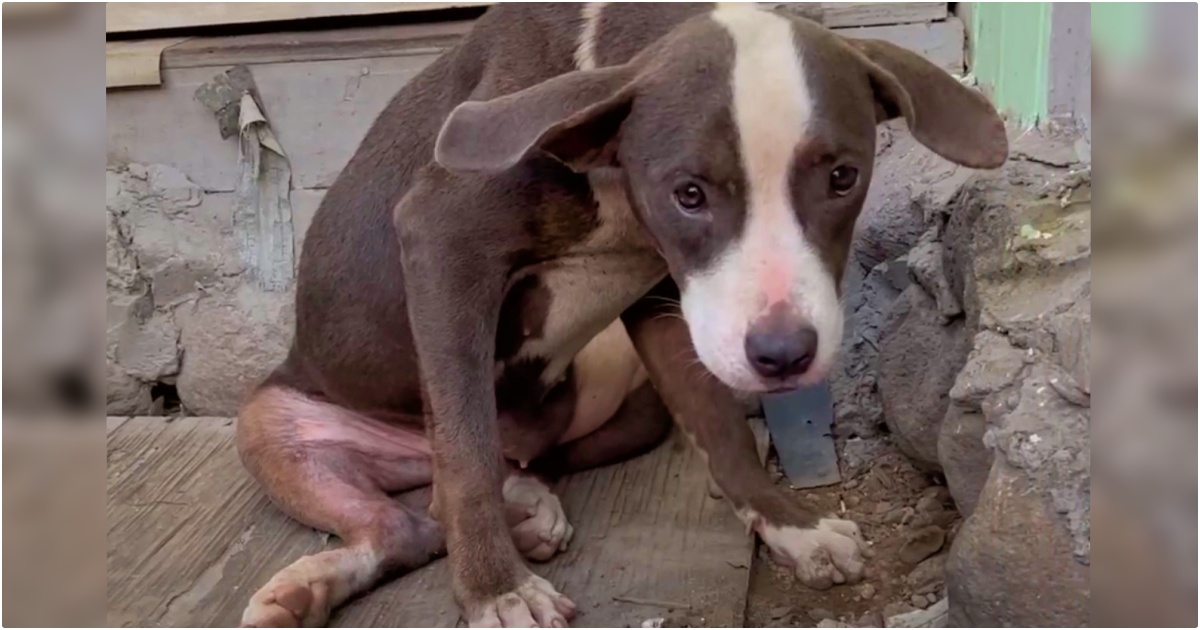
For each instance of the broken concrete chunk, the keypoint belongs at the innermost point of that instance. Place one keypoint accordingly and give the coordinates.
(149, 350)
(925, 263)
(126, 395)
(936, 616)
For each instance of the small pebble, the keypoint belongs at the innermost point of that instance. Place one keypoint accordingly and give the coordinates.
(898, 516)
(850, 485)
(883, 507)
(779, 612)
(929, 576)
(853, 500)
(819, 614)
(866, 590)
(922, 544)
(871, 619)
(928, 504)
(919, 601)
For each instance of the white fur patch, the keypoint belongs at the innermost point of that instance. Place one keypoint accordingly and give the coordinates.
(585, 53)
(546, 531)
(773, 261)
(331, 577)
(831, 553)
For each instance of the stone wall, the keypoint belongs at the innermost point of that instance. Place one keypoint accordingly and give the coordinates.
(969, 352)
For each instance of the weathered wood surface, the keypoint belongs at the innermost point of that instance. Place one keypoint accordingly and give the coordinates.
(136, 63)
(344, 43)
(849, 14)
(939, 42)
(321, 109)
(190, 536)
(127, 17)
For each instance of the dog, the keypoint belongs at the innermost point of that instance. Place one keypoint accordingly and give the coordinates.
(580, 226)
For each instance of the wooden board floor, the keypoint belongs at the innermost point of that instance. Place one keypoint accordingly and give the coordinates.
(190, 536)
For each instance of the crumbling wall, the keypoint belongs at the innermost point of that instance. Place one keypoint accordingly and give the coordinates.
(182, 318)
(194, 320)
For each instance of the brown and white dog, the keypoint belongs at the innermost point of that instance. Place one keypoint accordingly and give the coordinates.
(582, 222)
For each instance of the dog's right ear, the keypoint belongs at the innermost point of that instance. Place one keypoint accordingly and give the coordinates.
(575, 117)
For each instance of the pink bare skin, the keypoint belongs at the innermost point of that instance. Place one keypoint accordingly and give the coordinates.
(337, 470)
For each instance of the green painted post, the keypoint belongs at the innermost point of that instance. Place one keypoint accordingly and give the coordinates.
(1010, 55)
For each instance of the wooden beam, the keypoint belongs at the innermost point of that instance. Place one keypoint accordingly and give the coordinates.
(849, 14)
(128, 17)
(135, 63)
(350, 43)
(939, 42)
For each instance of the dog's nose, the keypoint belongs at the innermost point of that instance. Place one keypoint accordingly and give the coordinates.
(780, 354)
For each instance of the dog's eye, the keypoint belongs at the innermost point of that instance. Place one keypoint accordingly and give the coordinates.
(842, 179)
(689, 197)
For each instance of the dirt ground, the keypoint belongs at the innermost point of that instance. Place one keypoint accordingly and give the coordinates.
(907, 516)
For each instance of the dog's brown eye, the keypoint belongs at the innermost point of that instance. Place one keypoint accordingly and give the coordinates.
(690, 197)
(842, 179)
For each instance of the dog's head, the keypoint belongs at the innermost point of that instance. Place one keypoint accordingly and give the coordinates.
(746, 139)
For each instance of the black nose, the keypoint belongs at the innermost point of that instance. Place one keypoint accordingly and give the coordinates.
(776, 354)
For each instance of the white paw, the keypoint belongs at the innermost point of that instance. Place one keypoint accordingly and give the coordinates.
(533, 604)
(831, 553)
(539, 526)
(287, 603)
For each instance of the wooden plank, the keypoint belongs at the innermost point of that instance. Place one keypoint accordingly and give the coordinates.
(135, 63)
(350, 43)
(851, 14)
(421, 599)
(940, 42)
(189, 533)
(647, 531)
(115, 422)
(190, 537)
(126, 17)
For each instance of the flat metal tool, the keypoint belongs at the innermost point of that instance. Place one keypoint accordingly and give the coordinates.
(801, 427)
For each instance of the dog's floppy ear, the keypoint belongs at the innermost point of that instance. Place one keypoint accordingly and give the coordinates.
(575, 117)
(954, 121)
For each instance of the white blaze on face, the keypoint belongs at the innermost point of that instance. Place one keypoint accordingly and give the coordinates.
(585, 51)
(772, 262)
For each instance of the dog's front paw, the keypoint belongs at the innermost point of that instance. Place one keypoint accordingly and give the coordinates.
(539, 526)
(832, 552)
(533, 604)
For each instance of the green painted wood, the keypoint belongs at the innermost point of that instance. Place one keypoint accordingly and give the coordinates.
(1010, 55)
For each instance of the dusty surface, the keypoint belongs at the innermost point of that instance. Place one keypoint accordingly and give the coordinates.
(190, 536)
(886, 501)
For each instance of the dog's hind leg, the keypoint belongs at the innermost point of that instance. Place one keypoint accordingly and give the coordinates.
(641, 423)
(332, 469)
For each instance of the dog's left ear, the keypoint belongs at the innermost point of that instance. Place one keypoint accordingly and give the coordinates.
(575, 117)
(954, 121)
